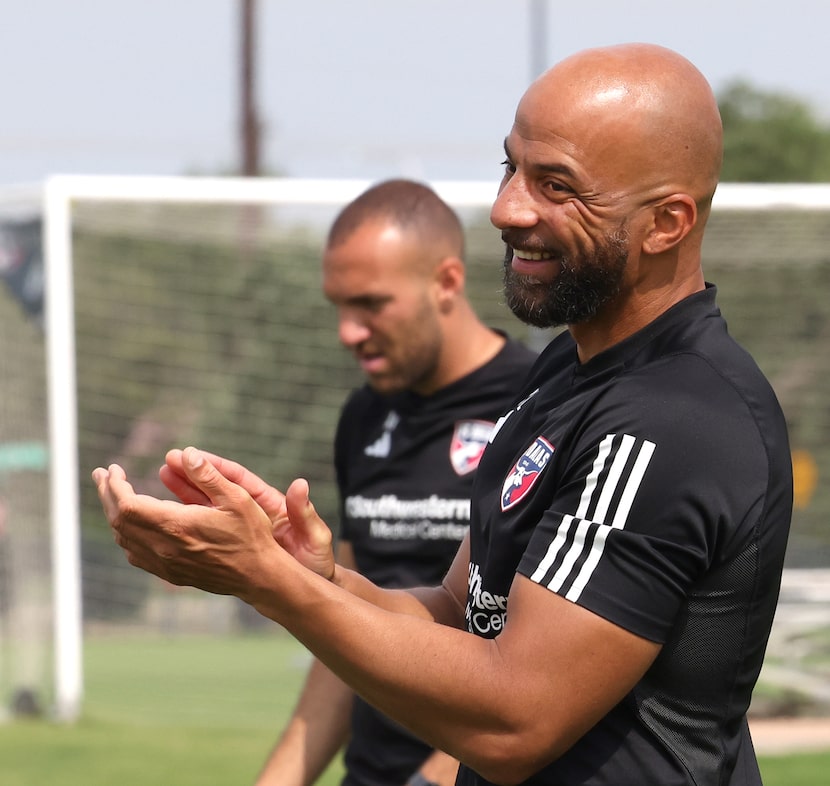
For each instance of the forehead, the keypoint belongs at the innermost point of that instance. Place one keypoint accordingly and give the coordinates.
(376, 258)
(588, 141)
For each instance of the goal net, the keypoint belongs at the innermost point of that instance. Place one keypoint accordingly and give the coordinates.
(189, 311)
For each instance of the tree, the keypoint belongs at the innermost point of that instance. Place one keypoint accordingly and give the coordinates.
(772, 137)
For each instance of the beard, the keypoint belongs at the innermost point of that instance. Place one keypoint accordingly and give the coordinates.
(412, 349)
(584, 284)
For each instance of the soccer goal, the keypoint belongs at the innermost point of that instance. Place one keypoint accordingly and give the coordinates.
(188, 311)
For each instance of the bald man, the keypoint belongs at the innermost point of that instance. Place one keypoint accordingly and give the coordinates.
(605, 620)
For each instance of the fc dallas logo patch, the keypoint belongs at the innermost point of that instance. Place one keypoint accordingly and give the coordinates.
(468, 442)
(525, 472)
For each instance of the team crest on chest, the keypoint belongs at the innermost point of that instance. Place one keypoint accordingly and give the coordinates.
(521, 479)
(468, 442)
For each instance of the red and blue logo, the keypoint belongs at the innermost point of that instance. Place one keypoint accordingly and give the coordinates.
(525, 472)
(468, 442)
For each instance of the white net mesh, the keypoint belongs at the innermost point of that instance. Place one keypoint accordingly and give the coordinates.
(204, 324)
(25, 569)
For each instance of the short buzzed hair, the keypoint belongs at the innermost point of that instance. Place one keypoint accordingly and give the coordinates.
(409, 205)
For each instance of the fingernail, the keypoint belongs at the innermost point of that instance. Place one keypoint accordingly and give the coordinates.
(195, 458)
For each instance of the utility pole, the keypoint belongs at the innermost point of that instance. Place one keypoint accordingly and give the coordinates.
(538, 338)
(250, 127)
(538, 37)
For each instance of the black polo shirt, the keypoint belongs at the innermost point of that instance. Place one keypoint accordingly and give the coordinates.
(405, 466)
(651, 485)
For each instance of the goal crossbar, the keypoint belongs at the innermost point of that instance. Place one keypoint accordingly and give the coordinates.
(59, 195)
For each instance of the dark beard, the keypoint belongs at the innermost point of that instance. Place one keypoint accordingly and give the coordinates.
(577, 293)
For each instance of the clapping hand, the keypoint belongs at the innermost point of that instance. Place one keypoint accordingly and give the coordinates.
(228, 524)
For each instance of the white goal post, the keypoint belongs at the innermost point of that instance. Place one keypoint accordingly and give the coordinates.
(60, 192)
(61, 196)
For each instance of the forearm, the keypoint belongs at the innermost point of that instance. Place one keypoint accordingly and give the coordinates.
(362, 638)
(505, 706)
(487, 702)
(435, 604)
(317, 730)
(320, 723)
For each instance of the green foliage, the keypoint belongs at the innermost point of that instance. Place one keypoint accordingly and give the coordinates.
(779, 311)
(771, 137)
(195, 342)
(231, 346)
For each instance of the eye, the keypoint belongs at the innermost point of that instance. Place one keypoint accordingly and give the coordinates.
(371, 304)
(509, 169)
(557, 189)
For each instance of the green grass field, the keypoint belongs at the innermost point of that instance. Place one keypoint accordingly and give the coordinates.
(191, 710)
(180, 711)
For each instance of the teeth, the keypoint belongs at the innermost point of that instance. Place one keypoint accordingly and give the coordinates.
(534, 256)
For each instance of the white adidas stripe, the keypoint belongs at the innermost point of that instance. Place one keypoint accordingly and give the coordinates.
(621, 459)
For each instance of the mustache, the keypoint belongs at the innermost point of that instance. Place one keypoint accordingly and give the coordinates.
(524, 240)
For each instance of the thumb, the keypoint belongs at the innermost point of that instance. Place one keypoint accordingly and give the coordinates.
(298, 506)
(303, 515)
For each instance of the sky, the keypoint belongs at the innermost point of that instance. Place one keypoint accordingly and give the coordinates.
(345, 88)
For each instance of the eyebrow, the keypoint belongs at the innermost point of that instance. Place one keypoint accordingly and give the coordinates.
(368, 300)
(558, 169)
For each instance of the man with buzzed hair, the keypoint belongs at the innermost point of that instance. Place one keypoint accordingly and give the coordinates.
(605, 620)
(407, 445)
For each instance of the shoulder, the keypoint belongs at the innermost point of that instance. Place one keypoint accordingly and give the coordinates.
(698, 409)
(507, 371)
(361, 409)
(513, 356)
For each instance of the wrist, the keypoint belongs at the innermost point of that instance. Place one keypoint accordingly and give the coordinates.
(419, 780)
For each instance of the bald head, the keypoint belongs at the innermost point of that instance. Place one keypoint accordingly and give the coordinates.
(647, 113)
(612, 162)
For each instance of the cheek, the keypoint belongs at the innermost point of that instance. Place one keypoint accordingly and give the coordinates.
(589, 229)
(581, 231)
(392, 327)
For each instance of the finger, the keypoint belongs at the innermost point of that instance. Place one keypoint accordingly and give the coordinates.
(175, 477)
(110, 484)
(230, 469)
(297, 498)
(117, 497)
(303, 515)
(180, 485)
(236, 473)
(220, 491)
(100, 477)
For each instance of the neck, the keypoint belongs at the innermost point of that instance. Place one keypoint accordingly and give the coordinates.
(469, 347)
(629, 314)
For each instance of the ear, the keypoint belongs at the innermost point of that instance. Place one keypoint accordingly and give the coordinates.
(674, 218)
(449, 279)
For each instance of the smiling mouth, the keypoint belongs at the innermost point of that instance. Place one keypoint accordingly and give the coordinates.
(532, 256)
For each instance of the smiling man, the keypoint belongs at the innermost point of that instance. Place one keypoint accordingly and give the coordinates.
(606, 618)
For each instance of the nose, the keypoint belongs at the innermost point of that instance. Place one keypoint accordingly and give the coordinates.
(351, 330)
(514, 205)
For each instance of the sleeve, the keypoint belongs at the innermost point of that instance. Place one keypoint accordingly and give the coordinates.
(663, 481)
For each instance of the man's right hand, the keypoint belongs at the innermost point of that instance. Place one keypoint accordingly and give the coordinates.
(295, 523)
